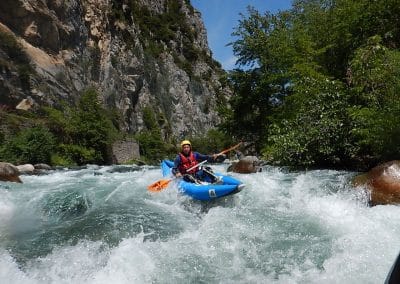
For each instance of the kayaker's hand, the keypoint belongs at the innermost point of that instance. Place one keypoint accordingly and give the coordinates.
(214, 156)
(178, 175)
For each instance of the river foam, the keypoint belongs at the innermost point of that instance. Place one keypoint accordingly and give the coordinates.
(98, 226)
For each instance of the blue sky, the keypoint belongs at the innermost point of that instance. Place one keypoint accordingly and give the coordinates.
(221, 17)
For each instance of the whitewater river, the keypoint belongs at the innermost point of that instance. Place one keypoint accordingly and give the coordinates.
(101, 225)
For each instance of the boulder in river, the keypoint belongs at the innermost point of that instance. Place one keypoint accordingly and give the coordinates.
(42, 166)
(246, 165)
(383, 182)
(9, 172)
(26, 168)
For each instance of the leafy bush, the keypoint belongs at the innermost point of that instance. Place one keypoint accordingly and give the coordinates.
(213, 142)
(85, 133)
(314, 130)
(32, 145)
(152, 146)
(75, 154)
(375, 113)
(322, 85)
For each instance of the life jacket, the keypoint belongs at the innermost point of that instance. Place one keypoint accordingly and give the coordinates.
(187, 163)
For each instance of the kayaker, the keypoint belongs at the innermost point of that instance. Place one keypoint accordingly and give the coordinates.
(187, 159)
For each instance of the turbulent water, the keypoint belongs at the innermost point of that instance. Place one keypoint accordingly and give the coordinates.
(101, 225)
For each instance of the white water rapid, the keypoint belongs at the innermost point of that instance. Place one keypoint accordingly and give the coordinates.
(101, 225)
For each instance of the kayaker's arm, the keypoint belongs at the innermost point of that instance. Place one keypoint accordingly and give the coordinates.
(209, 158)
(200, 157)
(175, 171)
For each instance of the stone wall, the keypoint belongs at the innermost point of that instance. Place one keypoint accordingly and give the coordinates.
(125, 151)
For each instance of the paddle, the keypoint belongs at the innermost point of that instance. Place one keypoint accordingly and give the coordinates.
(163, 183)
(196, 166)
(229, 149)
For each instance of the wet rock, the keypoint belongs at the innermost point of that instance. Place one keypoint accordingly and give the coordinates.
(42, 167)
(383, 182)
(246, 165)
(26, 169)
(124, 169)
(9, 172)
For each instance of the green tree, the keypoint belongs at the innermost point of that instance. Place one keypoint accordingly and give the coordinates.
(151, 143)
(91, 127)
(317, 91)
(312, 130)
(213, 142)
(84, 133)
(32, 145)
(374, 75)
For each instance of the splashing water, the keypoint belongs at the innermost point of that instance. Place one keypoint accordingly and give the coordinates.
(99, 226)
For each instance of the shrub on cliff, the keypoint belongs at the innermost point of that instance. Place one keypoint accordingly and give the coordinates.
(32, 145)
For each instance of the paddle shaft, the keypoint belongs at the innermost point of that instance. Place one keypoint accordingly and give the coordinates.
(195, 166)
(219, 154)
(229, 149)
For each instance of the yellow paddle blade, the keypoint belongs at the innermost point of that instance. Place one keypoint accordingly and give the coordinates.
(159, 185)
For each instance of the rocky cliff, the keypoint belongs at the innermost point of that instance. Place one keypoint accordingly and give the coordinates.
(136, 53)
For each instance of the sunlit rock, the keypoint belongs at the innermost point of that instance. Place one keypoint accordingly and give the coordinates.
(42, 167)
(9, 172)
(246, 165)
(26, 168)
(383, 182)
(25, 104)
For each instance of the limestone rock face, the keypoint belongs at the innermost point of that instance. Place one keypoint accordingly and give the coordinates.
(110, 45)
(383, 182)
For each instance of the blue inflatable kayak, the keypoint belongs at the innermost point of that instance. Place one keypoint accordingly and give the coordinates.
(204, 191)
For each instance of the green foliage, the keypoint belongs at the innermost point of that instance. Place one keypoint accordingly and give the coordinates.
(322, 83)
(32, 145)
(213, 142)
(91, 127)
(151, 143)
(375, 113)
(374, 74)
(70, 154)
(247, 117)
(85, 133)
(149, 119)
(152, 147)
(59, 123)
(58, 160)
(313, 130)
